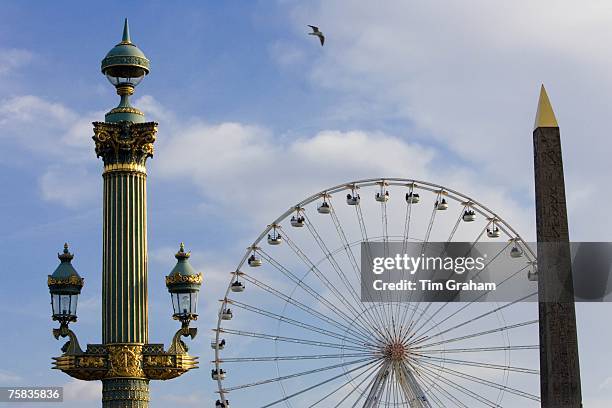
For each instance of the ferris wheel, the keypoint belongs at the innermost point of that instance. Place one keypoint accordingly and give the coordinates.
(293, 331)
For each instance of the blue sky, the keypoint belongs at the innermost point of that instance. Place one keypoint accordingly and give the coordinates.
(254, 116)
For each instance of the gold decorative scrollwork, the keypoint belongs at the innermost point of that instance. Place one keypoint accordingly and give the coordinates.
(125, 360)
(159, 360)
(128, 360)
(72, 347)
(124, 142)
(91, 362)
(184, 279)
(126, 109)
(71, 280)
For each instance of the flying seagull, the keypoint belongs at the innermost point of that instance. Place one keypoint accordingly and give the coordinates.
(318, 33)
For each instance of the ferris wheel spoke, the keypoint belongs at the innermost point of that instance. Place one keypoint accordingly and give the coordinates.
(491, 260)
(291, 358)
(474, 319)
(469, 250)
(293, 340)
(296, 323)
(311, 291)
(452, 234)
(430, 225)
(432, 218)
(434, 386)
(416, 332)
(346, 327)
(366, 329)
(478, 349)
(312, 387)
(361, 314)
(456, 226)
(343, 385)
(299, 374)
(373, 313)
(460, 388)
(406, 333)
(413, 333)
(407, 219)
(405, 238)
(385, 236)
(363, 311)
(478, 334)
(524, 370)
(368, 375)
(488, 383)
(431, 395)
(384, 318)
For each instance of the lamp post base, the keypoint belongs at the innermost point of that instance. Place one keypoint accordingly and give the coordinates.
(125, 393)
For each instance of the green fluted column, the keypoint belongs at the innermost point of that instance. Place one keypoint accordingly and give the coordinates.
(124, 148)
(124, 276)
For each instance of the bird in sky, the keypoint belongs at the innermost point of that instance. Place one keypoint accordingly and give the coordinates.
(318, 33)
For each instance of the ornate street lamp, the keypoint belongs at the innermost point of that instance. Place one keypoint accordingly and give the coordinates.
(125, 361)
(65, 286)
(184, 283)
(125, 65)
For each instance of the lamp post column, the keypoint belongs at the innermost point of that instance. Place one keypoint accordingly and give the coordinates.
(124, 148)
(124, 142)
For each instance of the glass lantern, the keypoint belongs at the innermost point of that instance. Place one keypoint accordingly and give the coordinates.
(64, 306)
(65, 285)
(185, 305)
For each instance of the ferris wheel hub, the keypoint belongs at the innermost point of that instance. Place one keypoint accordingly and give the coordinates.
(396, 351)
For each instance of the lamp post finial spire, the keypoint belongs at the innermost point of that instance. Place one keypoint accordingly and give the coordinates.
(125, 39)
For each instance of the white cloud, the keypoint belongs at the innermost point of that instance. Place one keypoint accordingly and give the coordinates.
(77, 390)
(57, 140)
(239, 166)
(47, 129)
(246, 174)
(71, 186)
(470, 83)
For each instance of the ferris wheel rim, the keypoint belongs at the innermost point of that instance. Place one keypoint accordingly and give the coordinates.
(412, 184)
(392, 181)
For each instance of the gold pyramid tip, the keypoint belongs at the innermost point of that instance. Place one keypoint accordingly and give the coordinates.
(545, 117)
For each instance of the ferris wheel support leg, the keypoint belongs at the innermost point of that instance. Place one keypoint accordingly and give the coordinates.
(412, 389)
(378, 386)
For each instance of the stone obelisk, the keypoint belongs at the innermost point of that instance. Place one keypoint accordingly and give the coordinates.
(559, 365)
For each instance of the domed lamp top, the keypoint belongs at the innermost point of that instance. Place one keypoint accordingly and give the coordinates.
(125, 60)
(125, 65)
(65, 280)
(183, 278)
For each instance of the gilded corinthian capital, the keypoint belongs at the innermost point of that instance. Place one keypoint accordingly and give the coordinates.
(124, 142)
